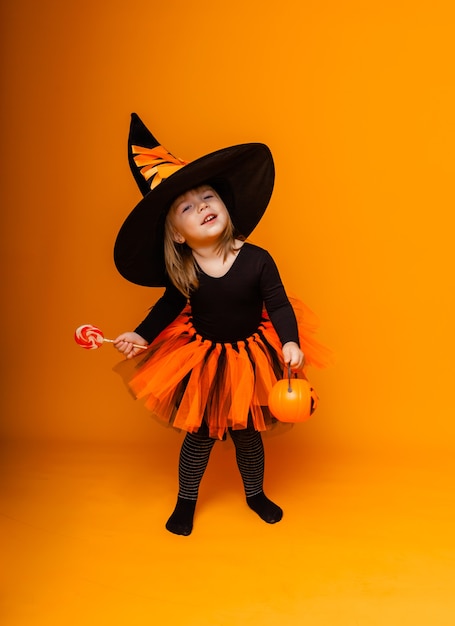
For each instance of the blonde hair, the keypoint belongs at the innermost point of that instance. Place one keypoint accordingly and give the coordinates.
(180, 263)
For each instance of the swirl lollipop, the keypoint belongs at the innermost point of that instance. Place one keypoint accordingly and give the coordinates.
(90, 337)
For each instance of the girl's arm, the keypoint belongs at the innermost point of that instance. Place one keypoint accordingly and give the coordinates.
(293, 355)
(281, 314)
(161, 315)
(125, 344)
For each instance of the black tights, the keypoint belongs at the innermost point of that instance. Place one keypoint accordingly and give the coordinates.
(195, 453)
(194, 457)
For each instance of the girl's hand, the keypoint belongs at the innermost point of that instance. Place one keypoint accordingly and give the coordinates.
(124, 344)
(293, 355)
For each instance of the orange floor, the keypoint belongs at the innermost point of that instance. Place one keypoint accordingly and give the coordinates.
(364, 541)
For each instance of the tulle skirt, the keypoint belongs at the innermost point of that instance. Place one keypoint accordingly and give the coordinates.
(190, 382)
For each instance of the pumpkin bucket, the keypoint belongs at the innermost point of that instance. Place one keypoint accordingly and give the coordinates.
(292, 399)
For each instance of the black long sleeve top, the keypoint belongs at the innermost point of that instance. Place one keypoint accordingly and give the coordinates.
(229, 308)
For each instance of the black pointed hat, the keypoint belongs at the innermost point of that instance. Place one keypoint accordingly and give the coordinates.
(243, 175)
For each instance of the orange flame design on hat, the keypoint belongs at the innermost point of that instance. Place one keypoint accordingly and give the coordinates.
(156, 164)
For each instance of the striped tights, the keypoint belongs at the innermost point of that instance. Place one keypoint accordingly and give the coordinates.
(194, 457)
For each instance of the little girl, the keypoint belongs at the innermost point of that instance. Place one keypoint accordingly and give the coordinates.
(224, 330)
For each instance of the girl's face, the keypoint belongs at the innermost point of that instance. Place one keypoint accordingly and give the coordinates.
(198, 217)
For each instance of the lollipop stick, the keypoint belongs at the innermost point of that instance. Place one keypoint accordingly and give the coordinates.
(135, 345)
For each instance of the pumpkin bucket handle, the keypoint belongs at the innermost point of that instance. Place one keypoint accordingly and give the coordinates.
(289, 378)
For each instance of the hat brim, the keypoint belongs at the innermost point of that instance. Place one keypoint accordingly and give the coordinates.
(248, 172)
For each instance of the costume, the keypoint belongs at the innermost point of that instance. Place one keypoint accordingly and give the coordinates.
(215, 361)
(212, 362)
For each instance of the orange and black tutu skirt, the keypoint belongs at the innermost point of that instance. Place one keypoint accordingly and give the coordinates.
(190, 382)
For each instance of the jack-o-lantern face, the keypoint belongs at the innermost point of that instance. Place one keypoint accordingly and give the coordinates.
(293, 400)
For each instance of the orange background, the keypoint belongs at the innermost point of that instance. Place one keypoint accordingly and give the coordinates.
(355, 100)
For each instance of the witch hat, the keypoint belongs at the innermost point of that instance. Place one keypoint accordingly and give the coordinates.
(243, 175)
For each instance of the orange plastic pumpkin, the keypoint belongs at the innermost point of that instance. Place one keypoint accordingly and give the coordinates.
(292, 400)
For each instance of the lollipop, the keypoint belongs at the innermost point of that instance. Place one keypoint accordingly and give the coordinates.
(90, 337)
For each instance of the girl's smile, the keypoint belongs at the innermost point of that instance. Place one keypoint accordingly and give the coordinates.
(198, 216)
(209, 218)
